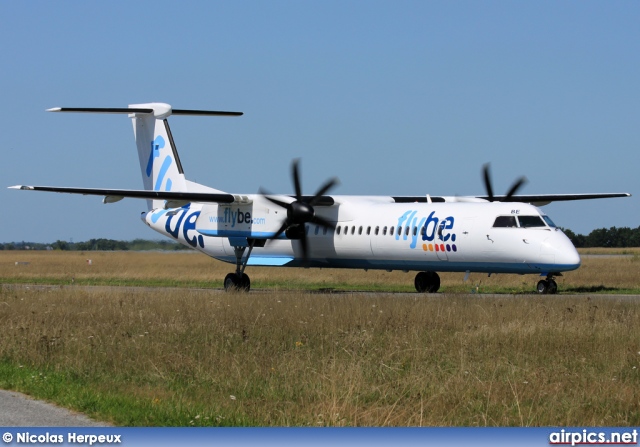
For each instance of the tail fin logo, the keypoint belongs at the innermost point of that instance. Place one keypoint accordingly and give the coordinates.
(156, 145)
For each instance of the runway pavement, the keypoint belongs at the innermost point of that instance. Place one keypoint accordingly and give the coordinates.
(19, 410)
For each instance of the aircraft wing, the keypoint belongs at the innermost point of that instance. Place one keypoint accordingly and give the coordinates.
(537, 199)
(177, 198)
(544, 199)
(114, 195)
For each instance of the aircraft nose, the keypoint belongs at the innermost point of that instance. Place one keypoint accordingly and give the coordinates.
(569, 258)
(566, 256)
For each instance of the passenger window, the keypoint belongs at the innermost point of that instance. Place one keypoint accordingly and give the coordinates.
(353, 229)
(324, 230)
(368, 231)
(384, 231)
(505, 222)
(531, 221)
(415, 231)
(346, 230)
(406, 230)
(317, 229)
(391, 230)
(360, 231)
(377, 230)
(338, 229)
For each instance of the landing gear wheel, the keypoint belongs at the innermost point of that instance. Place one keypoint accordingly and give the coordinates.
(428, 282)
(547, 286)
(245, 282)
(542, 287)
(553, 287)
(234, 282)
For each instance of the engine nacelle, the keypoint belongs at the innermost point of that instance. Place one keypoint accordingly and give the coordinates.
(294, 232)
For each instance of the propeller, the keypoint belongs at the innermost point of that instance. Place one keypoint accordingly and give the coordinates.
(300, 211)
(487, 184)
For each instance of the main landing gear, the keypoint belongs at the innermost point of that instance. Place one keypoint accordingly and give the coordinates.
(547, 286)
(427, 282)
(239, 281)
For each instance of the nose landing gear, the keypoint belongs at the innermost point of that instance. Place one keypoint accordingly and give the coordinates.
(547, 286)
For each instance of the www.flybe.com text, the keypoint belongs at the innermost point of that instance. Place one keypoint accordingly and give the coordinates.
(236, 217)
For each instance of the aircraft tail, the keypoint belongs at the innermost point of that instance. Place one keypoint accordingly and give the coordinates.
(159, 161)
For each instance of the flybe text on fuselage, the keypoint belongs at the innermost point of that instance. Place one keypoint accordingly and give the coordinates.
(238, 216)
(435, 232)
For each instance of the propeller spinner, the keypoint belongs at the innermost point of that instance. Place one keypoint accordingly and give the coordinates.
(300, 211)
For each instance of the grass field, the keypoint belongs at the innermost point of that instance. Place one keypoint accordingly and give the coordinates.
(293, 354)
(598, 273)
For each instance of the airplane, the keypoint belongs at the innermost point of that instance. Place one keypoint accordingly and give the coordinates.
(428, 234)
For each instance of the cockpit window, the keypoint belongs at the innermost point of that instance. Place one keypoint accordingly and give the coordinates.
(505, 222)
(531, 221)
(549, 222)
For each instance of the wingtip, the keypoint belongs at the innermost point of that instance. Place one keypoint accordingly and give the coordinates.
(23, 187)
(54, 109)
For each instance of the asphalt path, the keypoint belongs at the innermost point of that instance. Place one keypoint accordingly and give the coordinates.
(328, 292)
(19, 410)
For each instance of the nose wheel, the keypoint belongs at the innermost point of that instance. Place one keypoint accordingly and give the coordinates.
(547, 286)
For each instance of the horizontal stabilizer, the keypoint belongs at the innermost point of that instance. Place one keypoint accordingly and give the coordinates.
(142, 110)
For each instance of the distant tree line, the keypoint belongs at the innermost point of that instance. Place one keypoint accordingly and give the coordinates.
(610, 238)
(97, 245)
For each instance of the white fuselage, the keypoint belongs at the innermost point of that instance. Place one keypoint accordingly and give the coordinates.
(375, 233)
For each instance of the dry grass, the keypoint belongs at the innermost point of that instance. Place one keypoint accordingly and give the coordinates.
(598, 273)
(295, 358)
(137, 356)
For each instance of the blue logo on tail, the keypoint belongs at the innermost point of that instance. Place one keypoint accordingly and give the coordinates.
(156, 145)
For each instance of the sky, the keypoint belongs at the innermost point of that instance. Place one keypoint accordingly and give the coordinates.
(393, 98)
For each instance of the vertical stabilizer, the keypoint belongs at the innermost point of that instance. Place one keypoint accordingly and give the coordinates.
(159, 162)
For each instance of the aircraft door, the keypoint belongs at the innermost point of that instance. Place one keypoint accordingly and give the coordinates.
(463, 238)
(440, 246)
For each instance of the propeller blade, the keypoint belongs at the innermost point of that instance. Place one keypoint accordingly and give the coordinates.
(323, 189)
(487, 181)
(283, 227)
(304, 245)
(516, 185)
(267, 195)
(300, 211)
(277, 202)
(296, 178)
